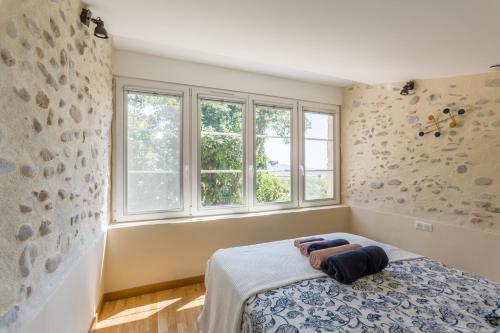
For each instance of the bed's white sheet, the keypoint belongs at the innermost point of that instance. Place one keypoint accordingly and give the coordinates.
(235, 274)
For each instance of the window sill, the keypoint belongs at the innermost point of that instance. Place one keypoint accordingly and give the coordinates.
(195, 219)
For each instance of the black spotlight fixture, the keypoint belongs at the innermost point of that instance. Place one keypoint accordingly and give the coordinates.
(86, 18)
(408, 89)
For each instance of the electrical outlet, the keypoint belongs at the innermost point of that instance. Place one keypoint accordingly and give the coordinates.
(424, 226)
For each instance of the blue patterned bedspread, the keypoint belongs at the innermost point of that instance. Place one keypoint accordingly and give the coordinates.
(408, 296)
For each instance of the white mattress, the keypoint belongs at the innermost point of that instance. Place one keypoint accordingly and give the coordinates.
(235, 274)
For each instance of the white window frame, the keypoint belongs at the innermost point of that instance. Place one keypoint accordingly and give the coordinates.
(119, 157)
(190, 182)
(225, 96)
(257, 100)
(327, 109)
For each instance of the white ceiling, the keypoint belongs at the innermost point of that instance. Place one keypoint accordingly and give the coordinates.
(326, 41)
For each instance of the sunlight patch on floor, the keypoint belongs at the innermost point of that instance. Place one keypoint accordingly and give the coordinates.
(198, 301)
(135, 313)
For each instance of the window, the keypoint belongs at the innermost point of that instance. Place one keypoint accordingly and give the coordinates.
(150, 168)
(273, 154)
(221, 150)
(188, 151)
(319, 156)
(153, 152)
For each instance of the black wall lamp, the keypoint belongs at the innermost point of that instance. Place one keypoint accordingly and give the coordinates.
(408, 89)
(86, 17)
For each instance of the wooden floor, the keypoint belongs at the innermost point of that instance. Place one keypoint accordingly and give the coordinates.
(168, 311)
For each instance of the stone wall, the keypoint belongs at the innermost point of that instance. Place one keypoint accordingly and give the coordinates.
(454, 179)
(55, 111)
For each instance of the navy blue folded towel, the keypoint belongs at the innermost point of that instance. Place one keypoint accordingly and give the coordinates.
(348, 266)
(326, 244)
(308, 240)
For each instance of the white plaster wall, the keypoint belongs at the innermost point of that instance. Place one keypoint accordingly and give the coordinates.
(72, 305)
(55, 111)
(454, 179)
(143, 66)
(468, 249)
(142, 254)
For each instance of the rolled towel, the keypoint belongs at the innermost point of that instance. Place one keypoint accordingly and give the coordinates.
(347, 267)
(307, 248)
(304, 246)
(297, 242)
(317, 257)
(325, 245)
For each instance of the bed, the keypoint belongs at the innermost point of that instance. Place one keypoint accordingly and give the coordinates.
(271, 288)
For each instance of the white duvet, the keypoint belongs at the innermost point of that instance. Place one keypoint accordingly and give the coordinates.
(235, 274)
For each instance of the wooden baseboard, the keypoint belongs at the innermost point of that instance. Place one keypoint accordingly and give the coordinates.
(151, 288)
(92, 323)
(96, 315)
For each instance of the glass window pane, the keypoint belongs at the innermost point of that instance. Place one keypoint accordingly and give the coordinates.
(318, 155)
(153, 152)
(319, 185)
(222, 189)
(221, 153)
(149, 192)
(318, 126)
(273, 154)
(219, 116)
(273, 186)
(272, 121)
